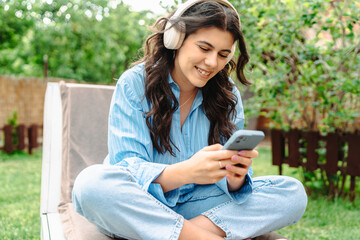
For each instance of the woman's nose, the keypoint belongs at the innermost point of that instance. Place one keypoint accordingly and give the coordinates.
(211, 60)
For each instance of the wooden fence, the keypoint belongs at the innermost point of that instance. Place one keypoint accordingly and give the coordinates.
(297, 148)
(21, 137)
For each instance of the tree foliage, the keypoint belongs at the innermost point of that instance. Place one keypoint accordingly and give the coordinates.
(93, 41)
(305, 62)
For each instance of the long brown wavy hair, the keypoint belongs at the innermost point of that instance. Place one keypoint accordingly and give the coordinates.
(218, 99)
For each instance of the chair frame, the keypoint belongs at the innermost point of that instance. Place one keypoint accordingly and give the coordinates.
(51, 225)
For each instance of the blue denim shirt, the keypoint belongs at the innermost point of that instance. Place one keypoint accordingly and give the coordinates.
(130, 145)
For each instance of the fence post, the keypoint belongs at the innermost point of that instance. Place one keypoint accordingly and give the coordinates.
(21, 137)
(278, 148)
(353, 158)
(8, 147)
(332, 158)
(312, 139)
(33, 135)
(353, 161)
(332, 153)
(294, 148)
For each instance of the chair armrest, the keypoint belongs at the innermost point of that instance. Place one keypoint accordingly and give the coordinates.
(51, 227)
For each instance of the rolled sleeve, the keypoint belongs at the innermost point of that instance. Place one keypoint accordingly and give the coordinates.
(170, 198)
(129, 141)
(242, 194)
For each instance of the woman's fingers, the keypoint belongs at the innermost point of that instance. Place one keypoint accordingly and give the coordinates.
(237, 165)
(211, 164)
(249, 153)
(243, 161)
(236, 160)
(237, 170)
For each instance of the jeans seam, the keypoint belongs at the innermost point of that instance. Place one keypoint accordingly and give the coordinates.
(267, 183)
(220, 206)
(163, 206)
(205, 197)
(178, 218)
(177, 228)
(210, 214)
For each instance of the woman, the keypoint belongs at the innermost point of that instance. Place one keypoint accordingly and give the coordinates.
(166, 176)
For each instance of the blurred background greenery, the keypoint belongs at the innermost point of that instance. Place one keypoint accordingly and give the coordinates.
(93, 41)
(304, 54)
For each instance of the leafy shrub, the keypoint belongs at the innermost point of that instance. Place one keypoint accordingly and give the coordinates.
(305, 62)
(305, 66)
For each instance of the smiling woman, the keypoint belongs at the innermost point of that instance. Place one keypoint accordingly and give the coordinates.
(202, 55)
(170, 113)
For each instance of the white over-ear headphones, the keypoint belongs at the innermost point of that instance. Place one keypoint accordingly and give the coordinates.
(173, 38)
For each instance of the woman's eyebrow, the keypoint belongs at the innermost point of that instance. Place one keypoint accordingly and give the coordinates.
(212, 46)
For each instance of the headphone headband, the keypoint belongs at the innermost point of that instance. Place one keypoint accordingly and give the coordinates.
(188, 4)
(173, 38)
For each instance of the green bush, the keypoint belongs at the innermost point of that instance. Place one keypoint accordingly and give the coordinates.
(92, 41)
(305, 66)
(305, 62)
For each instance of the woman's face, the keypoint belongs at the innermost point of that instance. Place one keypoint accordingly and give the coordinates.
(202, 55)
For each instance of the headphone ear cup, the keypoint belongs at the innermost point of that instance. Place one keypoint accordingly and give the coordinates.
(174, 38)
(231, 55)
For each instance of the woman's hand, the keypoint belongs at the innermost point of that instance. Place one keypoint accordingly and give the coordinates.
(239, 169)
(208, 165)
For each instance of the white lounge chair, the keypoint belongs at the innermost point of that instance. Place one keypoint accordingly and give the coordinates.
(75, 136)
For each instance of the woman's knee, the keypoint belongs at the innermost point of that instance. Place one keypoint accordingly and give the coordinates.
(94, 184)
(85, 185)
(298, 191)
(294, 200)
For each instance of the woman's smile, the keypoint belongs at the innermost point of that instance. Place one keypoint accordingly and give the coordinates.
(203, 72)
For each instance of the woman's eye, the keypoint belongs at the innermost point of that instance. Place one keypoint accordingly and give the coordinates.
(223, 56)
(203, 48)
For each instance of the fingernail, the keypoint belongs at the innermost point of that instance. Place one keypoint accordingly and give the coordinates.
(241, 153)
(228, 167)
(234, 158)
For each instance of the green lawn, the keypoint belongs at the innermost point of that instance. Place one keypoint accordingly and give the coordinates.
(323, 219)
(20, 178)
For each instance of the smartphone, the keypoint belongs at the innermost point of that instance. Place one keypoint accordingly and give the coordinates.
(244, 140)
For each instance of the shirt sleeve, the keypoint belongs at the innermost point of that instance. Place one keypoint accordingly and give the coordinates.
(129, 140)
(244, 192)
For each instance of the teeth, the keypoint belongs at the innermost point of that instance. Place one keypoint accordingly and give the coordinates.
(203, 72)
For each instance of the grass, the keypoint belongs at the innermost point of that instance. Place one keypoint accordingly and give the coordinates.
(20, 177)
(323, 219)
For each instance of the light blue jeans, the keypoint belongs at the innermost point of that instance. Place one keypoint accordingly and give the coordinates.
(109, 197)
